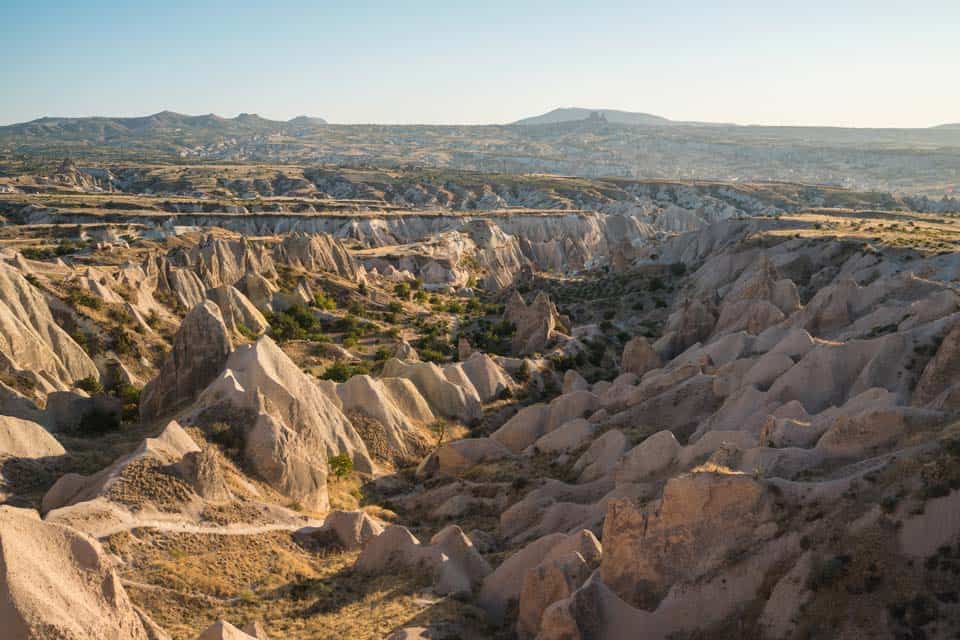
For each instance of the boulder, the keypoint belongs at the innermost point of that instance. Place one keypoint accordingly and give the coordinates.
(200, 350)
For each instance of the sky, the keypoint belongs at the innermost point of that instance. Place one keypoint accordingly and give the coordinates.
(842, 63)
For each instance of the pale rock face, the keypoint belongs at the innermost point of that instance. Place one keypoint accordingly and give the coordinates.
(351, 529)
(464, 569)
(700, 519)
(169, 447)
(505, 584)
(200, 350)
(255, 629)
(457, 567)
(692, 322)
(524, 428)
(223, 630)
(377, 400)
(294, 426)
(258, 290)
(26, 439)
(651, 457)
(858, 435)
(536, 324)
(569, 436)
(316, 252)
(787, 598)
(237, 310)
(573, 381)
(943, 370)
(601, 458)
(639, 357)
(59, 583)
(453, 458)
(405, 351)
(545, 584)
(570, 406)
(218, 261)
(445, 397)
(186, 286)
(30, 339)
(488, 378)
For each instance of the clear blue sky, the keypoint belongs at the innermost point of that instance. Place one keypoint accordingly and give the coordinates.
(842, 62)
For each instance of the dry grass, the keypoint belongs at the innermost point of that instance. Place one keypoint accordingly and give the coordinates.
(185, 582)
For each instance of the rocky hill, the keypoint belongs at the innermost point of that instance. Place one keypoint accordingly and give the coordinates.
(626, 409)
(574, 114)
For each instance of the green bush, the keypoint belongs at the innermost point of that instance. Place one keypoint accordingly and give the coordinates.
(341, 371)
(97, 422)
(341, 466)
(90, 384)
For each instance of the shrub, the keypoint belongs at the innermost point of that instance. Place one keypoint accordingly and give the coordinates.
(325, 302)
(341, 466)
(402, 290)
(98, 422)
(90, 384)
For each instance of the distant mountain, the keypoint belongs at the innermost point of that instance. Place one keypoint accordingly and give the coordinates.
(950, 125)
(306, 121)
(162, 123)
(574, 114)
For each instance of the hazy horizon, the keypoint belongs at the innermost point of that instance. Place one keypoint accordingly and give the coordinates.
(859, 64)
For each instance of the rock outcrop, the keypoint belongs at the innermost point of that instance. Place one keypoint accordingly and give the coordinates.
(59, 583)
(290, 426)
(200, 350)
